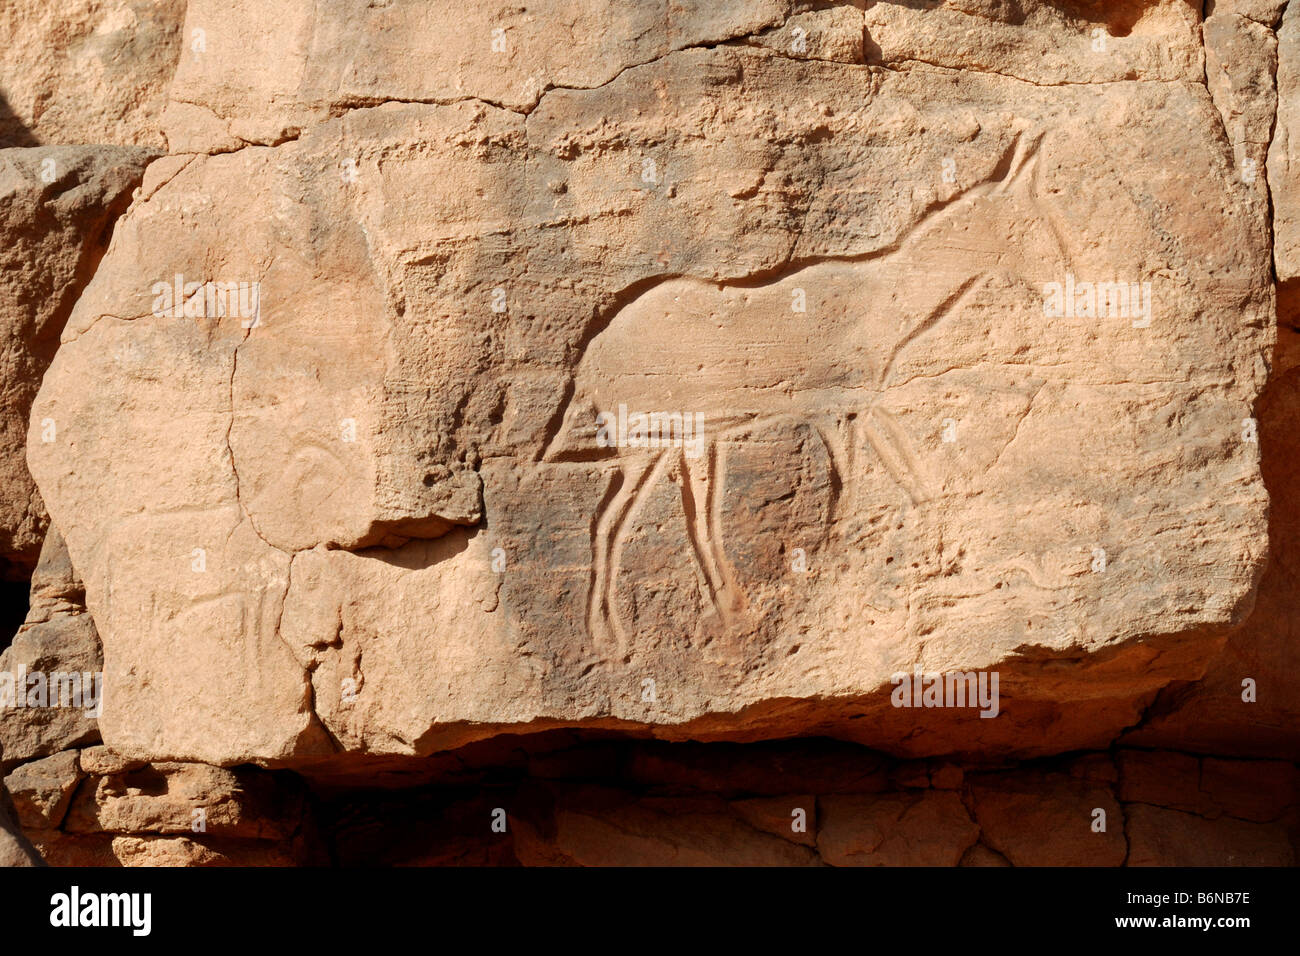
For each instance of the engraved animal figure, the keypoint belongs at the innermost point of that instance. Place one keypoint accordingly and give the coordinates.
(742, 356)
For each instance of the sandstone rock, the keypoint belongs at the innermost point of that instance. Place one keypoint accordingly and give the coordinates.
(55, 218)
(645, 811)
(1160, 837)
(166, 798)
(1248, 703)
(909, 776)
(834, 34)
(57, 649)
(328, 430)
(1240, 69)
(55, 588)
(187, 851)
(86, 71)
(103, 762)
(734, 770)
(1171, 780)
(980, 855)
(1096, 768)
(60, 849)
(408, 827)
(1284, 150)
(42, 789)
(377, 401)
(781, 816)
(61, 709)
(1041, 42)
(1037, 818)
(423, 51)
(930, 828)
(1256, 790)
(593, 828)
(107, 850)
(1265, 12)
(15, 849)
(946, 776)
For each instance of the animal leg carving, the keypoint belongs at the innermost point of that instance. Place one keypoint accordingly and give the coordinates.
(702, 504)
(637, 477)
(892, 447)
(837, 435)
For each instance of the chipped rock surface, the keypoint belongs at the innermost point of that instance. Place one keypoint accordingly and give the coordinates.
(15, 848)
(470, 395)
(87, 71)
(389, 520)
(56, 208)
(57, 667)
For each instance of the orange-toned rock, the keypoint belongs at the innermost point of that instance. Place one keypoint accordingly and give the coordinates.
(188, 798)
(1256, 790)
(791, 817)
(980, 855)
(1248, 704)
(1037, 818)
(1041, 43)
(42, 789)
(15, 848)
(605, 829)
(1160, 837)
(387, 522)
(57, 206)
(56, 648)
(1284, 150)
(1164, 779)
(86, 71)
(928, 828)
(107, 850)
(509, 420)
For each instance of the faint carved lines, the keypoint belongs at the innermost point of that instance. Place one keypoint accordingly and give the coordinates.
(847, 420)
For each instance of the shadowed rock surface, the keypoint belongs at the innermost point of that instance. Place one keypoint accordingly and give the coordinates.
(491, 445)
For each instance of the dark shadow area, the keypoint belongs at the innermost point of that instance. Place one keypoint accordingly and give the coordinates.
(1288, 326)
(12, 130)
(594, 798)
(1210, 715)
(13, 609)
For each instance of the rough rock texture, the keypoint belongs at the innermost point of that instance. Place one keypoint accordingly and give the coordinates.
(86, 71)
(15, 848)
(1036, 819)
(58, 637)
(57, 205)
(1284, 150)
(1213, 714)
(161, 814)
(553, 799)
(714, 804)
(326, 441)
(42, 789)
(345, 464)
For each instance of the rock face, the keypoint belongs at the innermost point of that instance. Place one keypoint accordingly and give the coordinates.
(93, 808)
(390, 510)
(57, 665)
(15, 848)
(1283, 169)
(58, 204)
(87, 71)
(692, 371)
